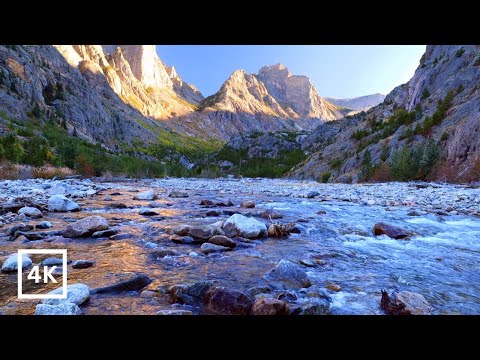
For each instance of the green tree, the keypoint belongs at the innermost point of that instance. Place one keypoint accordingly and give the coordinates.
(405, 162)
(367, 167)
(36, 151)
(13, 150)
(431, 155)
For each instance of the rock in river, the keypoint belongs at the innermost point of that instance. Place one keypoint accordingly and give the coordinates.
(223, 301)
(145, 195)
(269, 306)
(51, 261)
(85, 227)
(11, 263)
(289, 275)
(127, 282)
(312, 194)
(60, 309)
(314, 306)
(82, 264)
(76, 294)
(31, 212)
(175, 312)
(44, 225)
(178, 194)
(204, 232)
(222, 241)
(390, 230)
(208, 248)
(147, 212)
(104, 233)
(239, 225)
(60, 203)
(405, 303)
(247, 204)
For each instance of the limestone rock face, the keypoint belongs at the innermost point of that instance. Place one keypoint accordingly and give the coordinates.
(360, 103)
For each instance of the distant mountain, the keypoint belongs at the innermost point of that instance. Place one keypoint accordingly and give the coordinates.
(361, 103)
(272, 100)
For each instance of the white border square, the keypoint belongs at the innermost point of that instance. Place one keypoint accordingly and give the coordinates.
(63, 252)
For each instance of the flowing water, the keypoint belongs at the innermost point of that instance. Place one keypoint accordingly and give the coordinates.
(441, 262)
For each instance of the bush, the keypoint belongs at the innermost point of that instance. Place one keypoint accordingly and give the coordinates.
(444, 136)
(460, 88)
(36, 151)
(12, 148)
(360, 133)
(431, 154)
(325, 177)
(477, 62)
(425, 93)
(460, 52)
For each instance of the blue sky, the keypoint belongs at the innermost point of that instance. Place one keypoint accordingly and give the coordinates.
(336, 70)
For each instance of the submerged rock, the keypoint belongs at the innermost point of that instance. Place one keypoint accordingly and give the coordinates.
(147, 212)
(178, 194)
(11, 263)
(44, 225)
(60, 309)
(222, 241)
(239, 225)
(208, 248)
(247, 204)
(314, 306)
(390, 230)
(145, 195)
(175, 312)
(82, 264)
(312, 194)
(269, 306)
(270, 214)
(59, 203)
(223, 301)
(288, 275)
(31, 212)
(104, 233)
(85, 227)
(130, 282)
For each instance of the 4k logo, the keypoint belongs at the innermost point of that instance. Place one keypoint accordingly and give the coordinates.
(45, 278)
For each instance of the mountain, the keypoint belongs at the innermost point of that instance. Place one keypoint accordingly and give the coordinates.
(272, 100)
(427, 128)
(361, 103)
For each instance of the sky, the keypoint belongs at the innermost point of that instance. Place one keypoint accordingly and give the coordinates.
(340, 71)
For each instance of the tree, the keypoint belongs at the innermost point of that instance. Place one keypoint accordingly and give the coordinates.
(431, 155)
(405, 163)
(367, 167)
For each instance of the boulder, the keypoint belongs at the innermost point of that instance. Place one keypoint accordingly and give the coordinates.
(184, 239)
(312, 194)
(145, 195)
(390, 230)
(76, 294)
(314, 306)
(208, 248)
(31, 212)
(405, 303)
(85, 227)
(18, 227)
(206, 202)
(11, 263)
(60, 309)
(414, 213)
(222, 241)
(204, 232)
(104, 233)
(82, 264)
(269, 306)
(247, 204)
(155, 204)
(60, 203)
(239, 225)
(288, 275)
(178, 194)
(147, 212)
(270, 214)
(333, 287)
(51, 261)
(213, 213)
(224, 203)
(223, 301)
(122, 236)
(181, 230)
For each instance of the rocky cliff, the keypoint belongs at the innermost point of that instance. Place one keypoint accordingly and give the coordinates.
(272, 100)
(360, 103)
(439, 106)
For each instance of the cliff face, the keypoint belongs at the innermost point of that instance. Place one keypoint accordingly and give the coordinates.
(360, 103)
(272, 100)
(441, 103)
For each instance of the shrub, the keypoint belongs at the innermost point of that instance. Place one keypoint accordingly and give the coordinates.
(477, 62)
(460, 88)
(460, 52)
(425, 93)
(325, 177)
(444, 136)
(360, 133)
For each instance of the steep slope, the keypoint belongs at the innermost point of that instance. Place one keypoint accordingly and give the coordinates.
(360, 103)
(436, 114)
(273, 100)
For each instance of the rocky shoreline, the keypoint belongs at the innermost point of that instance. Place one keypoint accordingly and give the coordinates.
(227, 246)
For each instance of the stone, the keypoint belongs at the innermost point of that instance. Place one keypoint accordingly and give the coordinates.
(147, 212)
(270, 214)
(115, 194)
(414, 303)
(31, 212)
(76, 293)
(307, 263)
(148, 294)
(175, 312)
(178, 194)
(155, 204)
(104, 233)
(222, 241)
(224, 203)
(198, 289)
(107, 199)
(288, 296)
(184, 239)
(82, 264)
(312, 194)
(181, 230)
(269, 306)
(51, 261)
(223, 301)
(44, 225)
(314, 306)
(145, 195)
(11, 263)
(59, 203)
(247, 204)
(85, 227)
(413, 213)
(60, 309)
(18, 227)
(208, 248)
(206, 202)
(213, 213)
(116, 206)
(390, 230)
(204, 232)
(127, 282)
(239, 225)
(321, 212)
(288, 275)
(334, 287)
(123, 236)
(161, 253)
